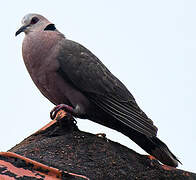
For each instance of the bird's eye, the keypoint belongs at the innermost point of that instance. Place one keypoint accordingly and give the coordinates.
(34, 20)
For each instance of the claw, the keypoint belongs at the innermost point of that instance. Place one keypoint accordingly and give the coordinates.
(52, 113)
(57, 108)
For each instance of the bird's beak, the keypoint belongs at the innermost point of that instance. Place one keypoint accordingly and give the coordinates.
(22, 29)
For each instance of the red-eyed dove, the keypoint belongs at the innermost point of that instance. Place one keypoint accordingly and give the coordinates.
(74, 79)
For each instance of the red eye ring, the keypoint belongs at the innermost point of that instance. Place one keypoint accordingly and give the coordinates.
(34, 20)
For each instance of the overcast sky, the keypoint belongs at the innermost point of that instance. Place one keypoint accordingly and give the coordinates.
(149, 45)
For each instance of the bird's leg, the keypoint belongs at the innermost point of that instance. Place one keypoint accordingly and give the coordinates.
(73, 111)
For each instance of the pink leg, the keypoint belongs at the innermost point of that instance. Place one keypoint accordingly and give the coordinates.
(65, 107)
(76, 111)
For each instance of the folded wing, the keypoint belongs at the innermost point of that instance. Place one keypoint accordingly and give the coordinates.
(90, 76)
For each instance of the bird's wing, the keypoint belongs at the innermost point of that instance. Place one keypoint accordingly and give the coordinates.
(90, 76)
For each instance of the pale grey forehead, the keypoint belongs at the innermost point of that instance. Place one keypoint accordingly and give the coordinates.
(28, 17)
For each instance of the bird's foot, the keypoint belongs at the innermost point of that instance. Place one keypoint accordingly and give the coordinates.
(57, 108)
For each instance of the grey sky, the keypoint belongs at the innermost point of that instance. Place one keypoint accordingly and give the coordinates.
(149, 45)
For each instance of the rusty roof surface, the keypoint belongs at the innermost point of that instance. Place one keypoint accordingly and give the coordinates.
(14, 166)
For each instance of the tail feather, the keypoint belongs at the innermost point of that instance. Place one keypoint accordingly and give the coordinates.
(162, 153)
(156, 148)
(151, 145)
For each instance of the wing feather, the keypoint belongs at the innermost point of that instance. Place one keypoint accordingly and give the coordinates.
(126, 116)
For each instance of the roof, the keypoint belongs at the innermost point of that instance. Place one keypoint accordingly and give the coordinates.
(60, 150)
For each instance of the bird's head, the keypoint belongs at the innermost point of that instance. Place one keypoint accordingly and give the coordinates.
(35, 22)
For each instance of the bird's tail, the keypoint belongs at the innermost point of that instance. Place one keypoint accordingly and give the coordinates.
(158, 149)
(162, 153)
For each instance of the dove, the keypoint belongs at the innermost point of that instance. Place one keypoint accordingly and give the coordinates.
(75, 80)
